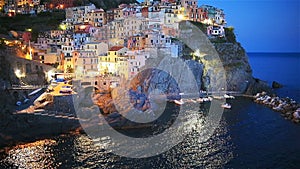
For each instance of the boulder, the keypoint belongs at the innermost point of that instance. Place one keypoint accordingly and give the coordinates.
(276, 85)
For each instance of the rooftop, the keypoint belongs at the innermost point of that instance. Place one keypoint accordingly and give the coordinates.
(116, 48)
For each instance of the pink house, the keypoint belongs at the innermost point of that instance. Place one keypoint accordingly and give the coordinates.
(26, 36)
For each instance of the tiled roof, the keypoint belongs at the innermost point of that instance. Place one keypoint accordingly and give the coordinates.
(116, 48)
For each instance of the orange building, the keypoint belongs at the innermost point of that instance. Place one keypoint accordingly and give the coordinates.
(60, 4)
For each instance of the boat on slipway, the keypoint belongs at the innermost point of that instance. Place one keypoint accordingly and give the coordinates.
(226, 106)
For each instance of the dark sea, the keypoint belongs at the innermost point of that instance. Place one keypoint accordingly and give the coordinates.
(248, 136)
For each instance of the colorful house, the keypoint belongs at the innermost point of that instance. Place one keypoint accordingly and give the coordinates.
(216, 31)
(97, 17)
(108, 63)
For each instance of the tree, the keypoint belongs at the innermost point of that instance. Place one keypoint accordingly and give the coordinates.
(230, 36)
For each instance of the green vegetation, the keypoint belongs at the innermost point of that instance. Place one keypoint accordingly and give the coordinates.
(218, 40)
(106, 4)
(39, 23)
(201, 26)
(230, 36)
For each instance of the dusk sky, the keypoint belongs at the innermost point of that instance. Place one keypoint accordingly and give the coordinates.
(263, 25)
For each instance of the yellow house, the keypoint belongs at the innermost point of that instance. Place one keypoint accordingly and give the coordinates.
(108, 64)
(68, 64)
(122, 66)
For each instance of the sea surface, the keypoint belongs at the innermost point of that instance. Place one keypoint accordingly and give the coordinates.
(249, 135)
(280, 67)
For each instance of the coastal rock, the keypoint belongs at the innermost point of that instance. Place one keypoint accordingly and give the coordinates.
(171, 79)
(236, 66)
(276, 85)
(289, 108)
(256, 85)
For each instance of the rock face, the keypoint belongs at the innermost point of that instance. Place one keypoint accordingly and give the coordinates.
(229, 62)
(171, 77)
(236, 66)
(7, 77)
(276, 85)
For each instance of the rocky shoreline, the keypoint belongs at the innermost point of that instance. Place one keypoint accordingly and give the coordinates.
(288, 108)
(20, 128)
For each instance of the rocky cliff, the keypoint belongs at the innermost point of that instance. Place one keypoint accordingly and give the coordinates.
(238, 70)
(7, 77)
(214, 66)
(236, 66)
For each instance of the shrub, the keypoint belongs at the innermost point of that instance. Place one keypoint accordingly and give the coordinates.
(230, 36)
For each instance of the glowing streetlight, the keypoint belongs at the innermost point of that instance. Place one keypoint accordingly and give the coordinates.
(19, 74)
(63, 27)
(180, 17)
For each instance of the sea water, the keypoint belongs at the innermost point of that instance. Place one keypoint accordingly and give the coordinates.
(249, 136)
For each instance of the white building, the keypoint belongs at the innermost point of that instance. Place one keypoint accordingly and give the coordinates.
(78, 14)
(136, 60)
(99, 48)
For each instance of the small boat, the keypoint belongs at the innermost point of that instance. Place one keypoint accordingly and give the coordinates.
(193, 101)
(179, 102)
(208, 99)
(226, 106)
(200, 100)
(18, 103)
(226, 96)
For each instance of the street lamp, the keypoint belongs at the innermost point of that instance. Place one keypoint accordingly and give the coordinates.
(19, 74)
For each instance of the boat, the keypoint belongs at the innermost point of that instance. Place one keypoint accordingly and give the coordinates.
(226, 96)
(66, 88)
(192, 101)
(226, 106)
(200, 100)
(179, 102)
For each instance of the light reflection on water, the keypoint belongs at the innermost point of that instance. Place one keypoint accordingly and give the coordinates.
(80, 151)
(33, 155)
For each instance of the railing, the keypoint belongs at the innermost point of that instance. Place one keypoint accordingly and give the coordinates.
(21, 87)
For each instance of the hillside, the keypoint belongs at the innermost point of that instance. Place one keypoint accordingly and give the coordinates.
(47, 21)
(39, 23)
(106, 4)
